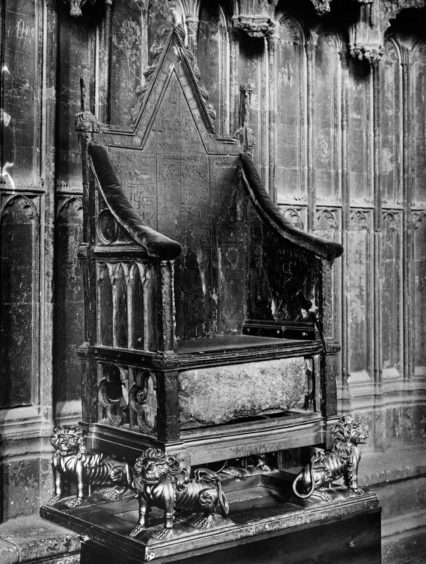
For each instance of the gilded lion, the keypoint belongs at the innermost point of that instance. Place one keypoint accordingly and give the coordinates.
(71, 462)
(341, 461)
(162, 481)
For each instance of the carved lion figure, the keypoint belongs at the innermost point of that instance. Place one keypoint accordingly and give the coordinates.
(162, 481)
(341, 461)
(70, 462)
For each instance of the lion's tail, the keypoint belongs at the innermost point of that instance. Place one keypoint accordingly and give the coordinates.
(300, 477)
(206, 475)
(223, 501)
(122, 475)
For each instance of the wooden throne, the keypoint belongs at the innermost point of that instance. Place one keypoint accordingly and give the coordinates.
(204, 306)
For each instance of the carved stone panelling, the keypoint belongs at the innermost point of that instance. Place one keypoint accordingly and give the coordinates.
(213, 57)
(391, 294)
(328, 225)
(19, 302)
(326, 118)
(296, 214)
(161, 15)
(419, 221)
(20, 100)
(69, 310)
(127, 43)
(291, 63)
(391, 108)
(358, 292)
(419, 142)
(358, 138)
(74, 56)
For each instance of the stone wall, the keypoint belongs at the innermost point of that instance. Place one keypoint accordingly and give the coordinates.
(335, 96)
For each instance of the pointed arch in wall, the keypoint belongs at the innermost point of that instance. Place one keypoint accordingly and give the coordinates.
(418, 70)
(19, 301)
(69, 307)
(391, 120)
(128, 58)
(327, 111)
(391, 294)
(291, 112)
(419, 226)
(213, 55)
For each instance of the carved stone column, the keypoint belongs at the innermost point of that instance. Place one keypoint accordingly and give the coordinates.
(310, 55)
(192, 23)
(377, 229)
(344, 59)
(233, 82)
(407, 189)
(260, 27)
(244, 133)
(103, 65)
(272, 41)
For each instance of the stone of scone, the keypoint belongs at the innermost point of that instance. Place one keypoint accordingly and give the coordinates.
(224, 393)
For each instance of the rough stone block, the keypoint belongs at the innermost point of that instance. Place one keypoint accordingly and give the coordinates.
(252, 389)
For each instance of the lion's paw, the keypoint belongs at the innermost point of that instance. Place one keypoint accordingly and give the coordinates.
(357, 491)
(54, 500)
(114, 494)
(74, 502)
(324, 496)
(136, 531)
(204, 522)
(162, 534)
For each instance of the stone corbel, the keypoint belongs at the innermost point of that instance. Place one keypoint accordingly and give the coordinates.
(365, 37)
(85, 122)
(244, 133)
(77, 5)
(256, 26)
(321, 7)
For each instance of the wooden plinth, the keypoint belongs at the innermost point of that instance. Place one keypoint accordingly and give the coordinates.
(264, 526)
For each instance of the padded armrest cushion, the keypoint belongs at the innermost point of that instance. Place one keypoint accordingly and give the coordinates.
(271, 214)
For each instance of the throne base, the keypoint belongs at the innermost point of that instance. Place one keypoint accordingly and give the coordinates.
(266, 525)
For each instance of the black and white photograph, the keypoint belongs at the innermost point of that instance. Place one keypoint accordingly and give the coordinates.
(212, 281)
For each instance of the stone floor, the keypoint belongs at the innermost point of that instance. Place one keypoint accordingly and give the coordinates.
(33, 539)
(405, 548)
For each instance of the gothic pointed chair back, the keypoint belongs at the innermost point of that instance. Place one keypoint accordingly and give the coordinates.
(185, 253)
